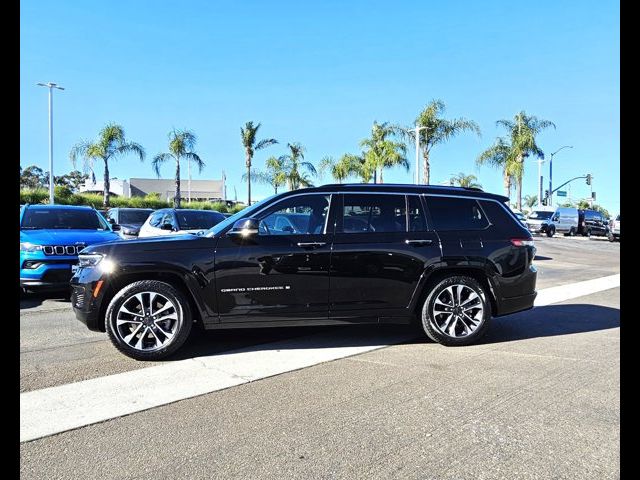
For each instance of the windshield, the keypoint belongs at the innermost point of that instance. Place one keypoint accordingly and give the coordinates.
(62, 219)
(198, 219)
(134, 217)
(618, 218)
(541, 215)
(237, 216)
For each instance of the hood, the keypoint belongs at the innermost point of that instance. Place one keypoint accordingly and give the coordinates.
(159, 244)
(67, 237)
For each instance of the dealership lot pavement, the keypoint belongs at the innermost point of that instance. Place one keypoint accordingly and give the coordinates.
(538, 398)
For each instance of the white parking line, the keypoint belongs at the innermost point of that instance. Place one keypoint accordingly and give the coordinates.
(65, 407)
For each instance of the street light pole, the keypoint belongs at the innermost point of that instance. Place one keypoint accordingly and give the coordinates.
(540, 162)
(50, 86)
(551, 172)
(416, 131)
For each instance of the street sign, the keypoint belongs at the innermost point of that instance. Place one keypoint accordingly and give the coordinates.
(561, 193)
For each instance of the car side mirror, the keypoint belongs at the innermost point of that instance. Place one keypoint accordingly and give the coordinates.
(555, 219)
(115, 227)
(166, 226)
(112, 221)
(245, 228)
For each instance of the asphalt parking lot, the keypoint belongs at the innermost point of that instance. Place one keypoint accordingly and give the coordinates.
(537, 398)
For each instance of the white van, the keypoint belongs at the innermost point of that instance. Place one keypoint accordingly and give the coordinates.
(564, 220)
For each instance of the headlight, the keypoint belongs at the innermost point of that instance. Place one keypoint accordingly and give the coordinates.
(29, 247)
(89, 259)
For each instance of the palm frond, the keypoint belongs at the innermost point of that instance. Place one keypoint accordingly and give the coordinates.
(160, 159)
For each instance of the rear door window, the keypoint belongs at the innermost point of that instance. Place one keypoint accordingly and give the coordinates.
(453, 213)
(366, 213)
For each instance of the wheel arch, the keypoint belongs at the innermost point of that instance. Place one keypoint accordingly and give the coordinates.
(174, 279)
(433, 277)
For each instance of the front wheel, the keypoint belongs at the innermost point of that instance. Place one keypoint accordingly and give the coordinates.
(550, 231)
(456, 312)
(611, 237)
(148, 320)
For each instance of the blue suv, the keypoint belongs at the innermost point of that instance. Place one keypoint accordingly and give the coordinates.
(51, 236)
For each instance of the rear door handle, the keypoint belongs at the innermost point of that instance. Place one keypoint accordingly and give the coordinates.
(418, 243)
(311, 244)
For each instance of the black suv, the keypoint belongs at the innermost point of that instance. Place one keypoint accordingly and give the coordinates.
(447, 258)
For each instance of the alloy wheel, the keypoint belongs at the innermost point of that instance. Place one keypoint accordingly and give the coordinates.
(457, 311)
(147, 321)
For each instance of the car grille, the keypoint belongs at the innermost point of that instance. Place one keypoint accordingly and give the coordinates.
(57, 276)
(63, 249)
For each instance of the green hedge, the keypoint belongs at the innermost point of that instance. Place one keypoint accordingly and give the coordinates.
(64, 196)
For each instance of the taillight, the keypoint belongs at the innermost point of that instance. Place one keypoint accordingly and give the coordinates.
(522, 242)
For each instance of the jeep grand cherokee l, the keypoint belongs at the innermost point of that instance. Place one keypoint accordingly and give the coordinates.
(447, 258)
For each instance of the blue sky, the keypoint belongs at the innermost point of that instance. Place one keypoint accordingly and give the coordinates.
(320, 73)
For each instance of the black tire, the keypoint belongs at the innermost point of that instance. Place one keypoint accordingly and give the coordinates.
(182, 327)
(429, 324)
(589, 233)
(550, 231)
(611, 237)
(572, 232)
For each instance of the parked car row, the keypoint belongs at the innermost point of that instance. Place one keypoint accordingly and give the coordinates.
(571, 221)
(52, 236)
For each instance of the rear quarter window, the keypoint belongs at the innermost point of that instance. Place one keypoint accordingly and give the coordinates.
(500, 218)
(451, 213)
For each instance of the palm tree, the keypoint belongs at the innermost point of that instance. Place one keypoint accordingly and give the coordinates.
(340, 170)
(522, 132)
(463, 180)
(248, 134)
(111, 143)
(381, 152)
(499, 155)
(273, 175)
(530, 200)
(293, 165)
(438, 130)
(181, 146)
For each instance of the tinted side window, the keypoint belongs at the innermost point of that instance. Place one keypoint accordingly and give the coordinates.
(417, 219)
(154, 221)
(374, 213)
(300, 215)
(503, 220)
(450, 213)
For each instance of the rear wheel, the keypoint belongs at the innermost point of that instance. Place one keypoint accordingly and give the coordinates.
(572, 232)
(611, 237)
(456, 312)
(148, 320)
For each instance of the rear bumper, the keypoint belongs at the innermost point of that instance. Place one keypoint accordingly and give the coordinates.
(516, 304)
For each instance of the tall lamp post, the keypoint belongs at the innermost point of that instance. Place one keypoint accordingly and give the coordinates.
(51, 86)
(416, 132)
(551, 172)
(539, 161)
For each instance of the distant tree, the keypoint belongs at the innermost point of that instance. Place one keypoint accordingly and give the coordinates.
(530, 200)
(298, 172)
(463, 180)
(382, 152)
(250, 143)
(33, 177)
(181, 147)
(111, 143)
(511, 153)
(438, 130)
(274, 174)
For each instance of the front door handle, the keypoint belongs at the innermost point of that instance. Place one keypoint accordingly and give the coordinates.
(418, 243)
(311, 244)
